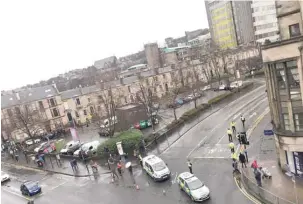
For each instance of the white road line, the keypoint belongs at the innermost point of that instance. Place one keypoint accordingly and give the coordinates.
(252, 115)
(233, 102)
(220, 139)
(58, 185)
(210, 157)
(11, 192)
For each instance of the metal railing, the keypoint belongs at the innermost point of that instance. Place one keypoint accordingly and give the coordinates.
(262, 194)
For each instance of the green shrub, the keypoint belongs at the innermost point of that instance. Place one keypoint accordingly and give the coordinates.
(219, 98)
(130, 140)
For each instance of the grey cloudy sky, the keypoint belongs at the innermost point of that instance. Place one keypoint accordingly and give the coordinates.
(41, 39)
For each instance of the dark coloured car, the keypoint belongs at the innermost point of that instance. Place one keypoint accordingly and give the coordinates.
(30, 188)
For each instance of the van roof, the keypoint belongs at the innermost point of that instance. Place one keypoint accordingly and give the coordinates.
(152, 159)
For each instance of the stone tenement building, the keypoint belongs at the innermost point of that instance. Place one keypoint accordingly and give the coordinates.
(284, 72)
(83, 103)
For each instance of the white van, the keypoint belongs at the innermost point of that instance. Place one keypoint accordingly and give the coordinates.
(156, 168)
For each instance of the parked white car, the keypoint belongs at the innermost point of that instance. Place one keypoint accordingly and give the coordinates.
(236, 84)
(90, 146)
(30, 141)
(70, 147)
(4, 177)
(206, 88)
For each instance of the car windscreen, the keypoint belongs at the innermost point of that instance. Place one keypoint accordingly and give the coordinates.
(159, 166)
(195, 184)
(31, 185)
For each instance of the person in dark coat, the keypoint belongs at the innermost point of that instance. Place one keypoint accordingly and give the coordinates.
(242, 159)
(258, 176)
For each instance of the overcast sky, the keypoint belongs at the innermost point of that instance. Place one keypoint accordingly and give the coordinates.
(41, 39)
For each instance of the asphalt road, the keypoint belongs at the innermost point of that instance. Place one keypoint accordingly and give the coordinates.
(205, 143)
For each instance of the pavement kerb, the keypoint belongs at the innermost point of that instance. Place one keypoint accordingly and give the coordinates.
(52, 171)
(245, 193)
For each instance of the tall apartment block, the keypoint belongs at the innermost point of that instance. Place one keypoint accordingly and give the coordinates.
(265, 21)
(230, 22)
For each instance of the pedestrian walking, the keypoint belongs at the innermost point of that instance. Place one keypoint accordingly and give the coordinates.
(11, 152)
(258, 176)
(128, 165)
(119, 168)
(190, 166)
(245, 152)
(140, 160)
(111, 163)
(58, 159)
(16, 156)
(233, 126)
(254, 165)
(242, 159)
(231, 146)
(72, 165)
(243, 120)
(235, 166)
(229, 133)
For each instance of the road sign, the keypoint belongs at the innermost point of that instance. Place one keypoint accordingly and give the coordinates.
(268, 132)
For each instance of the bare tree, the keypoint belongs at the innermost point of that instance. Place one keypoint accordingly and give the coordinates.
(110, 110)
(29, 121)
(175, 91)
(148, 98)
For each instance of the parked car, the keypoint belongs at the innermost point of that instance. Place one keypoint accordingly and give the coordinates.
(70, 147)
(206, 88)
(155, 168)
(236, 84)
(45, 147)
(86, 148)
(30, 188)
(142, 124)
(4, 177)
(223, 87)
(31, 142)
(192, 186)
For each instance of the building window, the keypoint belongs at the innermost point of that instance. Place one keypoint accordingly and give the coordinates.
(55, 112)
(9, 112)
(99, 108)
(52, 102)
(128, 89)
(41, 107)
(78, 101)
(294, 30)
(99, 97)
(298, 121)
(17, 110)
(286, 121)
(88, 99)
(77, 114)
(84, 112)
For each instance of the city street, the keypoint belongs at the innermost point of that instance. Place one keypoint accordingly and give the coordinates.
(206, 143)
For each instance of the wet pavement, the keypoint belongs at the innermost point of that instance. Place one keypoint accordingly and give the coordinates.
(201, 140)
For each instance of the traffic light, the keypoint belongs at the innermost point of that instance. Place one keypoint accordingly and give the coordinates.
(244, 138)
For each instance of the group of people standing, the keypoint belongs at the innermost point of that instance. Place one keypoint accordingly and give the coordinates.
(242, 157)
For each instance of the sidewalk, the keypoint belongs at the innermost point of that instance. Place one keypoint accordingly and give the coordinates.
(280, 184)
(51, 165)
(280, 187)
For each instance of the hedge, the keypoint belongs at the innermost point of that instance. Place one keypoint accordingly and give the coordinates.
(219, 98)
(130, 140)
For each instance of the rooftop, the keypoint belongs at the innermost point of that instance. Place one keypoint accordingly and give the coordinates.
(28, 95)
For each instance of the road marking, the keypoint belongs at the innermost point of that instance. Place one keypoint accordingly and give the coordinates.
(196, 147)
(243, 191)
(210, 157)
(213, 113)
(175, 179)
(53, 188)
(21, 196)
(220, 139)
(252, 115)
